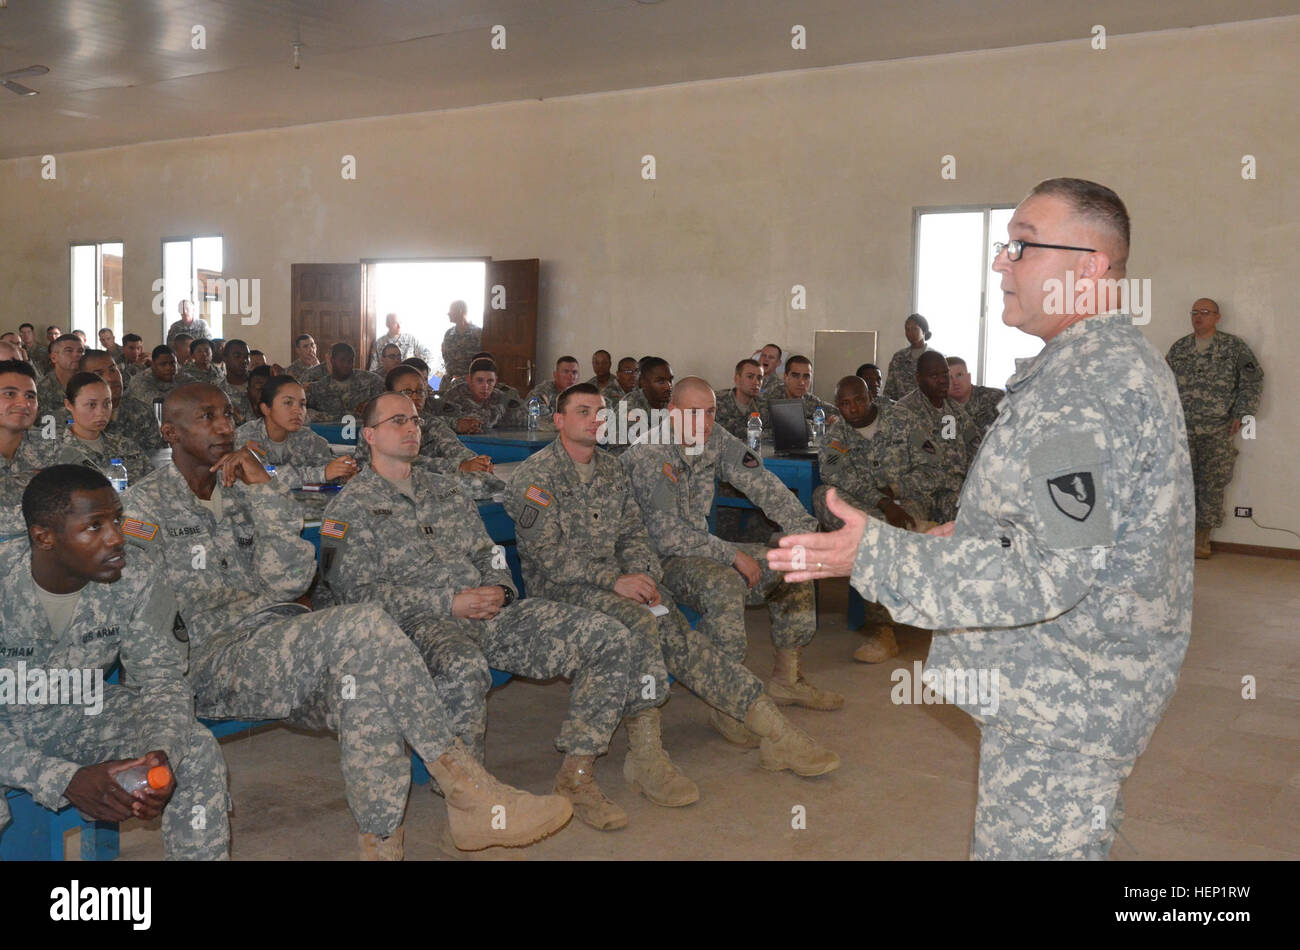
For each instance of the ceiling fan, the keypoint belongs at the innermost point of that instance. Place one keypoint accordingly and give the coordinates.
(17, 88)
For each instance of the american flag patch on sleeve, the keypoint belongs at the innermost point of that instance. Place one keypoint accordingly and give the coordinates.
(139, 529)
(333, 529)
(538, 496)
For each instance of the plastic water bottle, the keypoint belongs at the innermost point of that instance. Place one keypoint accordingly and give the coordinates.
(142, 777)
(818, 425)
(270, 469)
(534, 413)
(116, 474)
(754, 432)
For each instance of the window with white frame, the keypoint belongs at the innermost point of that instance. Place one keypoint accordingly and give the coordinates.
(959, 294)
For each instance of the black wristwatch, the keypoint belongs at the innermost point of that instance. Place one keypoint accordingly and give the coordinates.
(510, 595)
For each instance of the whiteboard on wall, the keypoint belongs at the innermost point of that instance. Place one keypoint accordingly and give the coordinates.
(838, 353)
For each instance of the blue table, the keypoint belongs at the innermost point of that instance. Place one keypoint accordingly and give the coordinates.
(332, 432)
(508, 445)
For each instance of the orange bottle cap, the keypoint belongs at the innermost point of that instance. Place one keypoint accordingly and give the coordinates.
(159, 776)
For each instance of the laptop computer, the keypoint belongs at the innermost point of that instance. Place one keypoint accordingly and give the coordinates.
(789, 428)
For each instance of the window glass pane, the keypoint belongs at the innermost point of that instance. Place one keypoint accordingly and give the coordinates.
(178, 275)
(208, 253)
(1004, 344)
(110, 288)
(949, 248)
(84, 289)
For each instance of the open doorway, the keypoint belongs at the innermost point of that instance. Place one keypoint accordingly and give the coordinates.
(420, 293)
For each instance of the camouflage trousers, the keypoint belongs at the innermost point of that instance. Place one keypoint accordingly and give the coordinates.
(1042, 804)
(874, 614)
(667, 644)
(742, 524)
(347, 669)
(718, 593)
(538, 639)
(1213, 458)
(195, 826)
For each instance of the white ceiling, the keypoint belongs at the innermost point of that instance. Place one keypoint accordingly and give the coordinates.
(123, 71)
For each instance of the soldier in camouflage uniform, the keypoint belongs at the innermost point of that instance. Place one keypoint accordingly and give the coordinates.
(479, 405)
(199, 369)
(411, 541)
(343, 392)
(158, 382)
(1219, 381)
(737, 404)
(63, 753)
(86, 441)
(300, 456)
(924, 446)
(196, 328)
(846, 462)
(900, 376)
(37, 353)
(627, 377)
(566, 375)
(137, 414)
(769, 357)
(405, 342)
(715, 577)
(798, 385)
(651, 397)
(306, 366)
(229, 540)
(132, 351)
(440, 450)
(980, 402)
(605, 381)
(24, 451)
(1066, 581)
(460, 342)
(65, 354)
(582, 540)
(234, 382)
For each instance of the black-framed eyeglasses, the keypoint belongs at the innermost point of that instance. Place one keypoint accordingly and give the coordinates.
(401, 421)
(1015, 248)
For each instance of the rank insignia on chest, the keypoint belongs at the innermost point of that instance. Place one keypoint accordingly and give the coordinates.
(670, 472)
(139, 529)
(538, 496)
(334, 529)
(427, 528)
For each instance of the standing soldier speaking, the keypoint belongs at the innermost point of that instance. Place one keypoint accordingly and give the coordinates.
(1066, 578)
(1219, 381)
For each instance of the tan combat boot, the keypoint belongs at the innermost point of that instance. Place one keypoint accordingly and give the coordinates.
(576, 782)
(787, 685)
(733, 730)
(1202, 543)
(878, 647)
(379, 848)
(484, 813)
(648, 768)
(784, 745)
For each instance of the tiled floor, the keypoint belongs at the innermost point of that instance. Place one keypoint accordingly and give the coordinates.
(1221, 779)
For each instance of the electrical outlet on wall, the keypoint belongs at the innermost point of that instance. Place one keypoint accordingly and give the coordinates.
(1242, 511)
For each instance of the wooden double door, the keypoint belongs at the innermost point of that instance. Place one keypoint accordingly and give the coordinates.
(335, 303)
